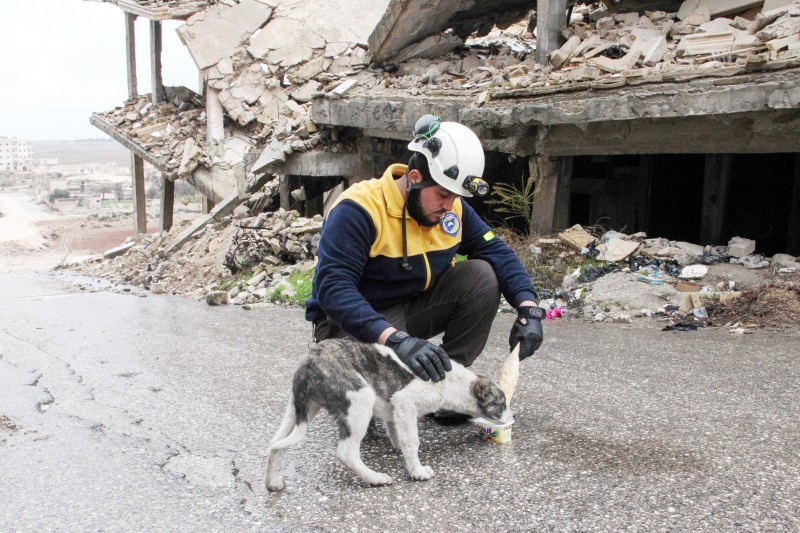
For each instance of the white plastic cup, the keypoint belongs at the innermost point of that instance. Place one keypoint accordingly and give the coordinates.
(493, 432)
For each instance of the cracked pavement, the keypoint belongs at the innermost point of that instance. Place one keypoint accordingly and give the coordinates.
(126, 413)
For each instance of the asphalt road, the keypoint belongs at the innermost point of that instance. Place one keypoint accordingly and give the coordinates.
(126, 413)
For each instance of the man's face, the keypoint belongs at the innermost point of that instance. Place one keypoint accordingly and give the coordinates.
(428, 205)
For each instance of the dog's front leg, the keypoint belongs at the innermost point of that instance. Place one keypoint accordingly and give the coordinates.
(405, 422)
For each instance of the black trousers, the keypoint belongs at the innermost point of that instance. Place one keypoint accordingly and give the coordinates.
(462, 304)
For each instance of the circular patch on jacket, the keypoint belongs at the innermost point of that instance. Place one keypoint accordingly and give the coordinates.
(450, 223)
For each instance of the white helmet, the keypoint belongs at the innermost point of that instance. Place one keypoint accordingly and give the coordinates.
(454, 154)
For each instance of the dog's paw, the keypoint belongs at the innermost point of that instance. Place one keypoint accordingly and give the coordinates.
(423, 473)
(276, 484)
(378, 479)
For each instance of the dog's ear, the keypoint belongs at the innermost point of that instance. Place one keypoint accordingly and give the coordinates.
(482, 389)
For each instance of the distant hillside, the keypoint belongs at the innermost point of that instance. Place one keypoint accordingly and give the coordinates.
(82, 151)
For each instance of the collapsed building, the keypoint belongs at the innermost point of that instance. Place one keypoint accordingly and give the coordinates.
(677, 119)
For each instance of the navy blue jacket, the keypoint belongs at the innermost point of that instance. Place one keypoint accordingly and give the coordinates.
(359, 268)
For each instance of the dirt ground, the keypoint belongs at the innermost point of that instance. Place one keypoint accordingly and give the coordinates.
(33, 238)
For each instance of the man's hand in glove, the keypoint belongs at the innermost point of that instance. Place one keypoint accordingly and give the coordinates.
(424, 358)
(527, 330)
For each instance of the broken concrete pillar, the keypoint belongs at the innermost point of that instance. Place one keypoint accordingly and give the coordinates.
(551, 203)
(551, 16)
(215, 127)
(215, 184)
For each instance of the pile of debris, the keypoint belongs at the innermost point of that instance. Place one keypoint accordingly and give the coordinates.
(262, 61)
(164, 130)
(249, 257)
(249, 254)
(774, 305)
(618, 277)
(279, 58)
(605, 50)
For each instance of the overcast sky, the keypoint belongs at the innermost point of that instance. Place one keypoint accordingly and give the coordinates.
(62, 59)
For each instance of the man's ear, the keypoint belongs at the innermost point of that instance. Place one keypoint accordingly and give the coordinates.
(414, 176)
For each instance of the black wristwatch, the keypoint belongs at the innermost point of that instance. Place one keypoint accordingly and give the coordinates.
(531, 312)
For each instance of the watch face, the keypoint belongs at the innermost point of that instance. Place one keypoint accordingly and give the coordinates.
(400, 335)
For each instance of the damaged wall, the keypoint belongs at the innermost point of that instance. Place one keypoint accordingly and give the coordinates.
(278, 56)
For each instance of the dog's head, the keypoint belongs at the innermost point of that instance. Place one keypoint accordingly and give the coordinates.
(491, 400)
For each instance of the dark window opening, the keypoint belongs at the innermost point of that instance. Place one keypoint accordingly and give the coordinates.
(662, 195)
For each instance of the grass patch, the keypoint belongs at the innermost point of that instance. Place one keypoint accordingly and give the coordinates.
(235, 280)
(294, 290)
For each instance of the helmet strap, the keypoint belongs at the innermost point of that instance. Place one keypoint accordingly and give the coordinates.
(405, 264)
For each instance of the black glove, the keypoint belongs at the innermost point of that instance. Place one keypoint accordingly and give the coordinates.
(529, 335)
(424, 358)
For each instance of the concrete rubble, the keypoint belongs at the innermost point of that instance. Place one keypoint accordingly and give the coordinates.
(246, 258)
(603, 50)
(163, 130)
(265, 62)
(649, 276)
(267, 246)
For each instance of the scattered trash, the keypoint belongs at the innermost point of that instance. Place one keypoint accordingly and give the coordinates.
(752, 261)
(688, 286)
(636, 263)
(599, 317)
(693, 300)
(556, 312)
(577, 236)
(693, 272)
(592, 272)
(652, 280)
(700, 312)
(741, 331)
(715, 256)
(616, 249)
(680, 326)
(772, 305)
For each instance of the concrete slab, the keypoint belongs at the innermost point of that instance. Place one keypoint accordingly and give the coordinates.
(723, 7)
(406, 22)
(678, 99)
(215, 33)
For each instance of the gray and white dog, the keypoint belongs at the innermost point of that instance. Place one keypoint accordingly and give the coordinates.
(355, 381)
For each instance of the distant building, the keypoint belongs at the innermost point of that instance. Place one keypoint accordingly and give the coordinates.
(15, 154)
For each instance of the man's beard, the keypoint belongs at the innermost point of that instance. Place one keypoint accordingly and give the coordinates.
(414, 206)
